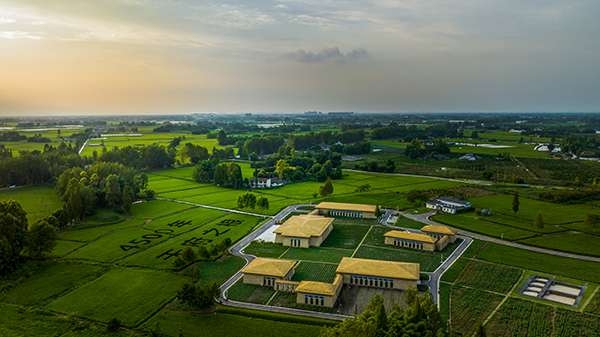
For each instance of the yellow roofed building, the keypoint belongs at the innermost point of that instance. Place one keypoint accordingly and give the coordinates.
(410, 240)
(440, 231)
(381, 274)
(319, 293)
(348, 210)
(303, 231)
(266, 272)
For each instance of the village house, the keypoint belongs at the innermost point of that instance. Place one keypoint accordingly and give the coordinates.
(447, 205)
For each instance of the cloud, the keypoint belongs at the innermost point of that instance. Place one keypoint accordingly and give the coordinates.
(20, 35)
(4, 21)
(326, 54)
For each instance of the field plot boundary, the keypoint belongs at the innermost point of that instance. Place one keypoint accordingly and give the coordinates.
(218, 208)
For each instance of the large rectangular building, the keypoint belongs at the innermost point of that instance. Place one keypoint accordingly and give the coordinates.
(410, 240)
(447, 205)
(348, 210)
(438, 232)
(319, 293)
(381, 274)
(303, 231)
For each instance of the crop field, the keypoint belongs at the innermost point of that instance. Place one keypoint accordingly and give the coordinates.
(251, 293)
(444, 299)
(186, 220)
(470, 307)
(89, 234)
(233, 226)
(149, 139)
(132, 295)
(594, 305)
(51, 280)
(266, 249)
(577, 243)
(521, 223)
(310, 271)
(471, 224)
(317, 254)
(528, 209)
(345, 236)
(156, 208)
(64, 247)
(581, 227)
(555, 265)
(118, 245)
(216, 271)
(455, 270)
(571, 323)
(37, 201)
(486, 276)
(227, 325)
(429, 262)
(521, 318)
(473, 249)
(172, 184)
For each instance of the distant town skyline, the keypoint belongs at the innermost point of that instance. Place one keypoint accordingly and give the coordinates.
(159, 57)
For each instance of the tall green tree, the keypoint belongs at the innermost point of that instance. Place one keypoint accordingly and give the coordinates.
(234, 176)
(377, 211)
(327, 189)
(247, 200)
(281, 168)
(262, 202)
(126, 199)
(72, 200)
(413, 150)
(539, 222)
(41, 238)
(143, 181)
(13, 228)
(112, 191)
(515, 203)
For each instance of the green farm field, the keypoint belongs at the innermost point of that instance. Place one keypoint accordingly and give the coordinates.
(218, 271)
(266, 249)
(577, 243)
(555, 265)
(64, 247)
(118, 245)
(132, 295)
(185, 221)
(230, 325)
(89, 234)
(486, 276)
(233, 226)
(471, 224)
(428, 262)
(38, 201)
(156, 208)
(310, 271)
(51, 280)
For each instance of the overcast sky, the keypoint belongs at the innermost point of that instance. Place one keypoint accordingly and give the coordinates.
(169, 56)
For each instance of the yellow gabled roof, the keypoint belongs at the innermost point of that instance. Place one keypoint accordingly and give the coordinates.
(346, 207)
(439, 229)
(399, 270)
(304, 226)
(269, 267)
(410, 236)
(321, 288)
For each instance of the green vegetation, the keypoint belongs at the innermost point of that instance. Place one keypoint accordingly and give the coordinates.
(577, 243)
(555, 265)
(240, 291)
(218, 271)
(133, 295)
(454, 271)
(429, 262)
(63, 248)
(50, 280)
(185, 221)
(265, 249)
(317, 254)
(486, 276)
(468, 223)
(156, 208)
(474, 248)
(345, 236)
(90, 234)
(470, 307)
(16, 320)
(288, 300)
(38, 201)
(519, 317)
(310, 271)
(227, 325)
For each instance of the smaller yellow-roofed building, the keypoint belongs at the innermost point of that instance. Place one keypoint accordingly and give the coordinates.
(410, 240)
(381, 274)
(319, 293)
(348, 210)
(303, 231)
(266, 272)
(438, 232)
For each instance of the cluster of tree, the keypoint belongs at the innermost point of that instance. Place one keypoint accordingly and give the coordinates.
(37, 167)
(389, 166)
(17, 237)
(295, 166)
(417, 197)
(195, 129)
(102, 185)
(38, 138)
(577, 144)
(198, 297)
(327, 189)
(566, 196)
(249, 200)
(140, 157)
(421, 318)
(409, 132)
(12, 136)
(414, 149)
(229, 175)
(261, 145)
(193, 153)
(312, 140)
(356, 148)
